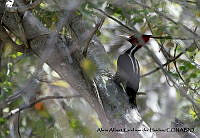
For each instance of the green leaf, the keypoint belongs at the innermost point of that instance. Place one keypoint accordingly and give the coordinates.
(98, 33)
(192, 47)
(192, 113)
(193, 75)
(2, 120)
(138, 19)
(182, 68)
(89, 67)
(174, 74)
(76, 124)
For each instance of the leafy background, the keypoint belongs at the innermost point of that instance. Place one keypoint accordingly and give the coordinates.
(160, 104)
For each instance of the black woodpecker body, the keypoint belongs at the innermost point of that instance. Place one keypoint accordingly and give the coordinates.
(128, 72)
(128, 69)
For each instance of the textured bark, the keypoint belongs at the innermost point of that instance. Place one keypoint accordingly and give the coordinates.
(69, 72)
(114, 100)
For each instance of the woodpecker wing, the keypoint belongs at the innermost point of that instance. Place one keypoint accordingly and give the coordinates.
(128, 69)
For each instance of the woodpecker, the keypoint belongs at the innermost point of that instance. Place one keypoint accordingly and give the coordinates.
(128, 69)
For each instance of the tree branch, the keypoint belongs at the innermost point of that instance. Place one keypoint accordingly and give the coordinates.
(71, 73)
(163, 65)
(195, 35)
(92, 33)
(133, 30)
(6, 39)
(182, 90)
(114, 99)
(17, 110)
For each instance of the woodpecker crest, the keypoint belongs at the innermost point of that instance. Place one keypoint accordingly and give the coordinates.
(143, 39)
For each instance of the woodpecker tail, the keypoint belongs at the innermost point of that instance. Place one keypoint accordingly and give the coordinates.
(132, 96)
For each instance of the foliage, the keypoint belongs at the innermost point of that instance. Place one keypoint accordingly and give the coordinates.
(17, 67)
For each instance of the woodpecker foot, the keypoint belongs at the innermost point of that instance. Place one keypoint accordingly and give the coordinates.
(116, 78)
(141, 93)
(132, 102)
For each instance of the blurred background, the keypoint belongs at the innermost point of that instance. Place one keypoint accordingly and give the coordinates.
(161, 100)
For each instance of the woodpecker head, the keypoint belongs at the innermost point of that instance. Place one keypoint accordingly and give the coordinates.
(134, 40)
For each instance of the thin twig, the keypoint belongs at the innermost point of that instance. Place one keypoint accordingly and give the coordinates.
(13, 112)
(166, 17)
(52, 40)
(117, 21)
(171, 38)
(168, 62)
(133, 30)
(5, 37)
(182, 90)
(175, 65)
(192, 2)
(92, 33)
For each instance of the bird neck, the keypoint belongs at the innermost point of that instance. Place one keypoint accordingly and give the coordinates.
(133, 49)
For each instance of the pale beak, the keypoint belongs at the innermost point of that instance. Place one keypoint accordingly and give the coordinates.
(125, 37)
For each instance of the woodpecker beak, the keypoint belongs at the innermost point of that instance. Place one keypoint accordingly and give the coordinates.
(125, 37)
